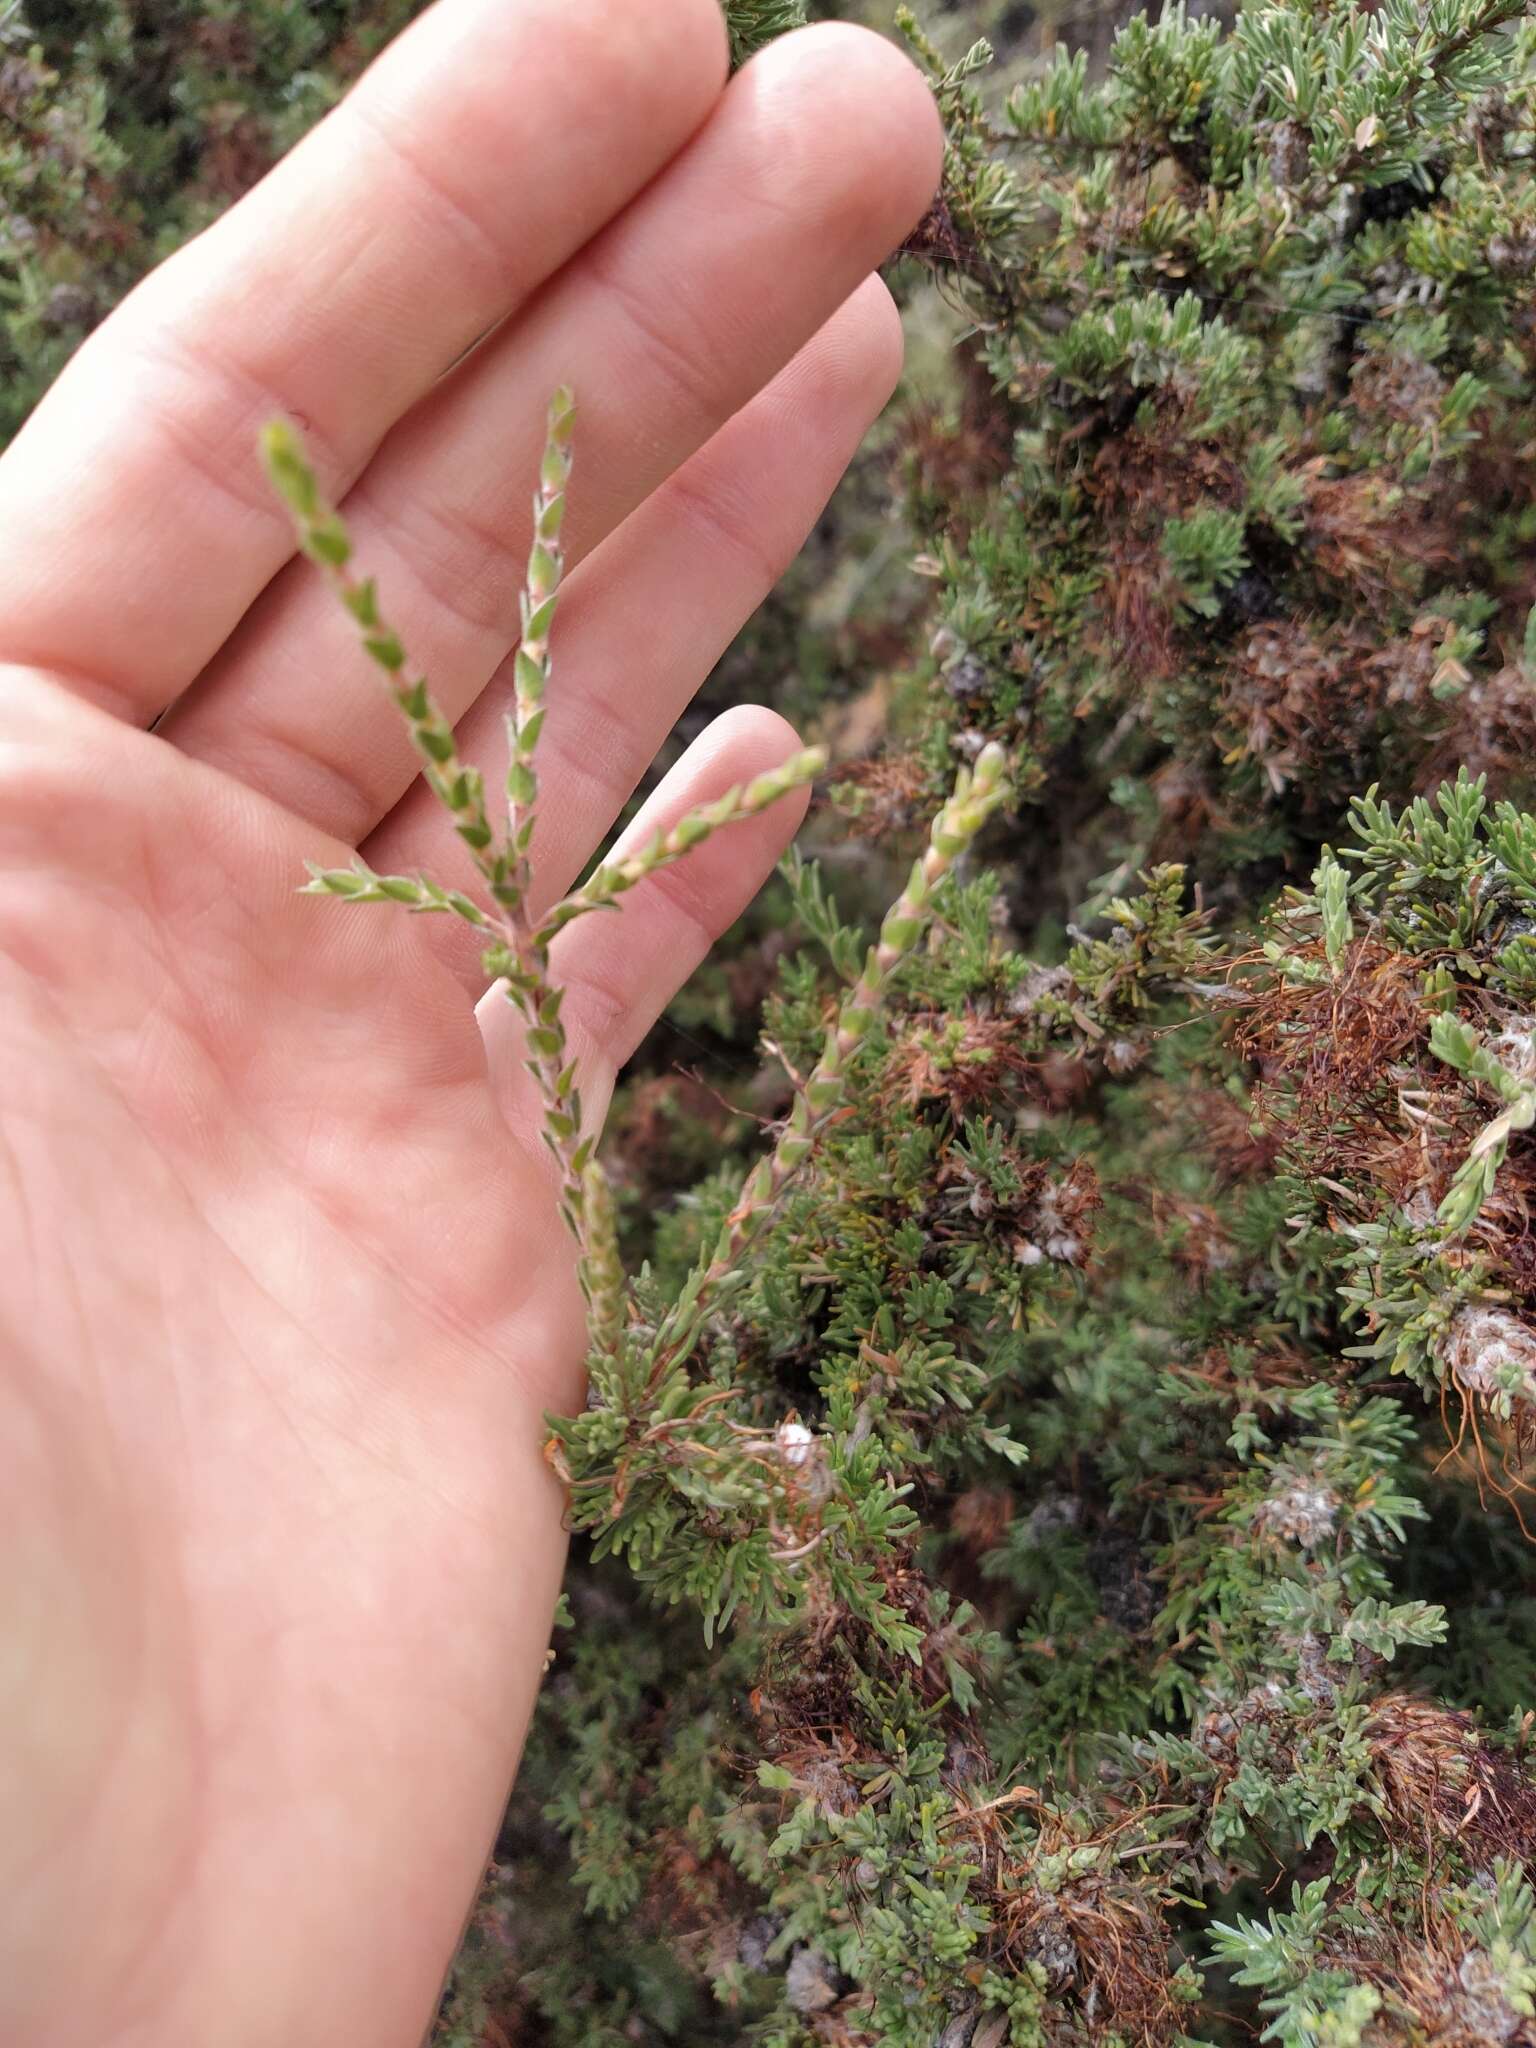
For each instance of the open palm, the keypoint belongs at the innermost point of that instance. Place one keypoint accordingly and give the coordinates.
(287, 1292)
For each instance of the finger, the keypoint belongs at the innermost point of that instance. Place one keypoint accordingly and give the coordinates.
(817, 159)
(720, 534)
(620, 972)
(461, 172)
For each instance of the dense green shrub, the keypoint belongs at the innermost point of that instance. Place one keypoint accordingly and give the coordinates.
(1103, 1488)
(1053, 1559)
(1245, 496)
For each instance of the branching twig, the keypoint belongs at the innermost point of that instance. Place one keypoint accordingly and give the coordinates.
(977, 794)
(517, 953)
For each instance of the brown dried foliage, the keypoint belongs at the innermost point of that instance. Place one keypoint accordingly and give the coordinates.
(690, 1898)
(1375, 540)
(1442, 1784)
(1492, 732)
(1437, 1789)
(1139, 480)
(1239, 1146)
(952, 466)
(986, 1069)
(643, 1135)
(1437, 1988)
(1437, 1993)
(237, 152)
(1301, 706)
(1100, 1934)
(1395, 386)
(893, 790)
(1326, 1050)
(1318, 709)
(1347, 1086)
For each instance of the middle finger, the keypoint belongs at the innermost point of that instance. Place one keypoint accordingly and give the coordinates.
(819, 157)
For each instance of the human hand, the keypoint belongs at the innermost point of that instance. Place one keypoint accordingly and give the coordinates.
(288, 1296)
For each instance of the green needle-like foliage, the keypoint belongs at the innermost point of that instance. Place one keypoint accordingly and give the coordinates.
(1097, 1442)
(1053, 1553)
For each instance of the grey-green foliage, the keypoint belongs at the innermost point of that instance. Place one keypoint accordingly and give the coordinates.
(753, 23)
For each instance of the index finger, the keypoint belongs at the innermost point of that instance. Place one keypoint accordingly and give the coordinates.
(481, 151)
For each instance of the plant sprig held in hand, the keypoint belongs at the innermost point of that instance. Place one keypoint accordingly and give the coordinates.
(517, 952)
(518, 938)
